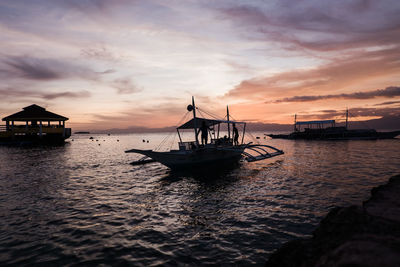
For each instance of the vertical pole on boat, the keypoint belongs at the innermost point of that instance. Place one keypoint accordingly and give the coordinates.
(347, 117)
(244, 132)
(195, 122)
(229, 127)
(295, 118)
(180, 139)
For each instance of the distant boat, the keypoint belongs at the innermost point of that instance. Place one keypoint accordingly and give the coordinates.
(327, 130)
(220, 151)
(81, 132)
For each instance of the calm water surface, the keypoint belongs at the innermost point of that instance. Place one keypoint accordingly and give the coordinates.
(84, 204)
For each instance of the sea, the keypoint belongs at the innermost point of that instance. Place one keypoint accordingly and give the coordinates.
(84, 203)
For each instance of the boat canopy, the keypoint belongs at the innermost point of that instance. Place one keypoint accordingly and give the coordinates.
(199, 121)
(315, 122)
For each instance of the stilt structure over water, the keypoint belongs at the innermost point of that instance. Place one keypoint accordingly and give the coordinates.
(34, 124)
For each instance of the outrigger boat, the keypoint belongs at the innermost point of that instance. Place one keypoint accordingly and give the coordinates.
(317, 130)
(220, 151)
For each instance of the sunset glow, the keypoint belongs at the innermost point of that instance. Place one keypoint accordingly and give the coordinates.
(118, 64)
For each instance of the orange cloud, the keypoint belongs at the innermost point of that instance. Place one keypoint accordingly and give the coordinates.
(388, 92)
(343, 75)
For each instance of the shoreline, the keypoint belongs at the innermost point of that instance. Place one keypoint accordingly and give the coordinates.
(358, 235)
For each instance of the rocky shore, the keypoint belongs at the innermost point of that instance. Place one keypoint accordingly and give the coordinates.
(367, 235)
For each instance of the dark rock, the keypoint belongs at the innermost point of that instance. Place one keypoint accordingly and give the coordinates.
(367, 235)
(385, 200)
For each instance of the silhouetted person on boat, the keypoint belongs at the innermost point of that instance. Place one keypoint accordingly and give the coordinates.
(204, 133)
(235, 135)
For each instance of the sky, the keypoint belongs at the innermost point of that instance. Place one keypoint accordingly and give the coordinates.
(119, 64)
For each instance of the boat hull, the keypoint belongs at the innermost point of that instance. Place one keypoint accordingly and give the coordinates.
(199, 158)
(362, 134)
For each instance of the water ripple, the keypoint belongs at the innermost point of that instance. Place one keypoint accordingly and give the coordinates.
(84, 204)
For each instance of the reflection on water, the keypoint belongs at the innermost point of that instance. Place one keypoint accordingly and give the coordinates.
(84, 203)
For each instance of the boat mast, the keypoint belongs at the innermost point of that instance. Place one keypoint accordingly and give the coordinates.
(347, 117)
(195, 122)
(229, 128)
(294, 125)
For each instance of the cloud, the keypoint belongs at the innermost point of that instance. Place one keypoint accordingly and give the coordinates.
(67, 94)
(342, 74)
(353, 112)
(90, 6)
(245, 14)
(239, 67)
(99, 53)
(12, 93)
(318, 26)
(125, 86)
(388, 103)
(32, 68)
(108, 71)
(157, 114)
(388, 92)
(43, 69)
(379, 112)
(356, 42)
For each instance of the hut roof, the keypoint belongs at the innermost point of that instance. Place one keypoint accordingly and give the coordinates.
(34, 112)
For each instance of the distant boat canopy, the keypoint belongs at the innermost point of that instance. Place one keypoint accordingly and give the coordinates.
(315, 122)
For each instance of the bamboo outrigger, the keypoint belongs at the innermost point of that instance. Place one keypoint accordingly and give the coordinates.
(220, 150)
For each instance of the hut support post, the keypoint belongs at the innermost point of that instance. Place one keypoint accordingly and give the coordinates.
(12, 129)
(7, 125)
(40, 129)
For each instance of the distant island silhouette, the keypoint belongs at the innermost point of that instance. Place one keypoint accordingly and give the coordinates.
(385, 123)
